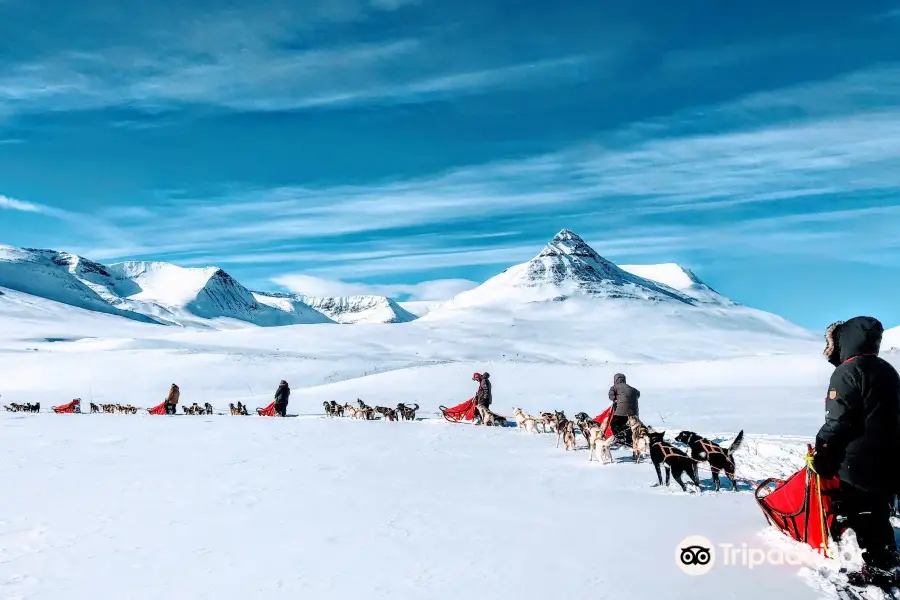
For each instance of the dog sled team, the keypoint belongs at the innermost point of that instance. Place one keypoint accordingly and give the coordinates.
(620, 426)
(27, 407)
(403, 412)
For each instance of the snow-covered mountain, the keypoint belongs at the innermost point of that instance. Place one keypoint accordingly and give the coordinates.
(681, 279)
(163, 293)
(359, 309)
(568, 279)
(153, 292)
(60, 277)
(566, 267)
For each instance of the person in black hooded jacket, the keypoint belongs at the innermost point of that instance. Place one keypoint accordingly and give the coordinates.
(860, 442)
(282, 395)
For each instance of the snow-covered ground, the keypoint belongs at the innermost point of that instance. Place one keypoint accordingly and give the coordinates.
(138, 506)
(247, 507)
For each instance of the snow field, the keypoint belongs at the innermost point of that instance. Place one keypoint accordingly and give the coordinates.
(229, 507)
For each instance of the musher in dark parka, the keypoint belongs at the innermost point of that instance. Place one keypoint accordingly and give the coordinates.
(282, 395)
(860, 443)
(483, 396)
(625, 404)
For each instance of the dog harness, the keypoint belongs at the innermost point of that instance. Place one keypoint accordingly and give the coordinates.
(667, 450)
(709, 448)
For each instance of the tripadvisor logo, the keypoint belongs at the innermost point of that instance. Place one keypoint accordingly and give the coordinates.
(696, 555)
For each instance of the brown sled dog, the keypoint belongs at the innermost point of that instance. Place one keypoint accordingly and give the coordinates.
(639, 438)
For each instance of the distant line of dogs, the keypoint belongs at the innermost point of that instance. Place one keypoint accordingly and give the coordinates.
(645, 440)
(120, 409)
(27, 407)
(403, 412)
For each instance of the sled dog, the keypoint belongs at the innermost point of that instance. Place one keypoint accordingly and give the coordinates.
(718, 457)
(676, 462)
(599, 445)
(407, 412)
(387, 413)
(583, 422)
(639, 443)
(565, 430)
(525, 421)
(367, 412)
(549, 421)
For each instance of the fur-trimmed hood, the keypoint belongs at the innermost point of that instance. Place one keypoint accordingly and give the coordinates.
(858, 336)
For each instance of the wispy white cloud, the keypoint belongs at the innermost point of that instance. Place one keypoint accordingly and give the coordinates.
(8, 203)
(643, 195)
(710, 175)
(13, 204)
(438, 289)
(271, 57)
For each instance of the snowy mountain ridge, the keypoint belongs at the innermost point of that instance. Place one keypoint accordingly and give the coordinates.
(567, 268)
(681, 279)
(359, 309)
(340, 309)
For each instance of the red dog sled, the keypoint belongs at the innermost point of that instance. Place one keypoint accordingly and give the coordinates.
(461, 412)
(268, 411)
(72, 407)
(159, 409)
(605, 417)
(801, 506)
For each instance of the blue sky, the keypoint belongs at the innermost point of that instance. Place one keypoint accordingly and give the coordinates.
(400, 146)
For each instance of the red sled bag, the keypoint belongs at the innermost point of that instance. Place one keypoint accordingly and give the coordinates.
(159, 409)
(460, 412)
(268, 411)
(605, 417)
(801, 506)
(72, 407)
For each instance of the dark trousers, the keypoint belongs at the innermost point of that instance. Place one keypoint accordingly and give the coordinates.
(869, 516)
(280, 409)
(621, 430)
(171, 409)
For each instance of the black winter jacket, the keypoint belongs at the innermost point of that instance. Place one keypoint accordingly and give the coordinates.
(860, 440)
(282, 394)
(484, 395)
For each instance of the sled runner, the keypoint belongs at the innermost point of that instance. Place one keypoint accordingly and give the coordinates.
(159, 409)
(460, 412)
(72, 407)
(268, 411)
(606, 417)
(801, 506)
